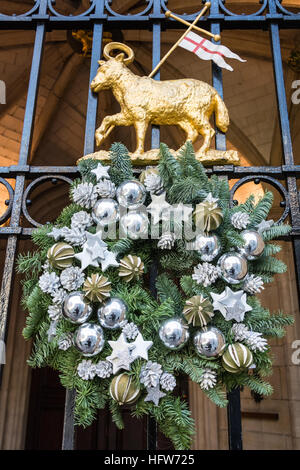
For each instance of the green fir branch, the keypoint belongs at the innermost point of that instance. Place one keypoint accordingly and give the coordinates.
(276, 231)
(121, 167)
(169, 168)
(166, 289)
(85, 167)
(262, 209)
(29, 263)
(268, 265)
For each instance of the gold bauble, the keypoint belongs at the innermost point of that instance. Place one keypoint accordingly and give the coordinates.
(97, 288)
(237, 358)
(198, 310)
(131, 267)
(208, 216)
(123, 390)
(60, 255)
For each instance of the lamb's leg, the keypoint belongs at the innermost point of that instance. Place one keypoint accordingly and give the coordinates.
(115, 120)
(190, 130)
(140, 128)
(207, 132)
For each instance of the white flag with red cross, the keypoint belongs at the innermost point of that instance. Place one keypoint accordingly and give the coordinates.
(206, 50)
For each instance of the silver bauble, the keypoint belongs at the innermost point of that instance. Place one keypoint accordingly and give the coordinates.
(174, 333)
(233, 267)
(76, 308)
(89, 339)
(208, 246)
(131, 194)
(106, 212)
(209, 342)
(134, 224)
(254, 244)
(112, 313)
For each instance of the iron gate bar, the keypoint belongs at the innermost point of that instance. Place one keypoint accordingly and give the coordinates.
(286, 140)
(43, 17)
(234, 417)
(233, 172)
(155, 141)
(89, 142)
(68, 442)
(10, 254)
(101, 11)
(284, 122)
(151, 422)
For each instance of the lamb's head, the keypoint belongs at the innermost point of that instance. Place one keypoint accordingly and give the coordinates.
(108, 73)
(110, 70)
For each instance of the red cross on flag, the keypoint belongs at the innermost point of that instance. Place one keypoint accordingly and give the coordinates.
(206, 50)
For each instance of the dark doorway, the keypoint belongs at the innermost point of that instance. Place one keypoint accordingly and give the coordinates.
(46, 416)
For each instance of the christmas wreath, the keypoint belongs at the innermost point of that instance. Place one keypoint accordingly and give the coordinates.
(122, 299)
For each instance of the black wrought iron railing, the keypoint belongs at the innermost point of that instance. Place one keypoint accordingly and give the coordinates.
(270, 15)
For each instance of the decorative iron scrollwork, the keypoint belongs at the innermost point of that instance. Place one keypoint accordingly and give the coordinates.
(189, 17)
(115, 14)
(283, 9)
(104, 9)
(27, 14)
(4, 217)
(31, 187)
(259, 12)
(79, 15)
(273, 182)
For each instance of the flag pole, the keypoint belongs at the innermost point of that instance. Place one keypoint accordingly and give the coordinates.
(216, 37)
(206, 7)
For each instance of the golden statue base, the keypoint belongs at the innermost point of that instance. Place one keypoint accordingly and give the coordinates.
(211, 157)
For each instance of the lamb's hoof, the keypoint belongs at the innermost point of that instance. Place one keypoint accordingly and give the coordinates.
(99, 139)
(137, 155)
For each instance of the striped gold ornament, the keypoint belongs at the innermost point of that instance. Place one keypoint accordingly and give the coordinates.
(60, 255)
(131, 267)
(198, 310)
(97, 288)
(237, 358)
(208, 216)
(123, 390)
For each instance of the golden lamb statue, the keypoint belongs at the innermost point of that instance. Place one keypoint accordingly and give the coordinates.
(188, 103)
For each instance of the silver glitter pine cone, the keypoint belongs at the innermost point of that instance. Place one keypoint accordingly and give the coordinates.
(153, 183)
(253, 284)
(240, 220)
(150, 374)
(166, 241)
(105, 188)
(84, 194)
